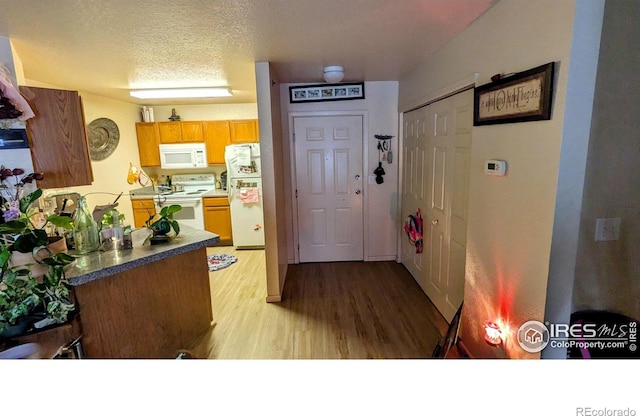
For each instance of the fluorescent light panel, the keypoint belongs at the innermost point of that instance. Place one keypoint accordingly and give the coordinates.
(182, 93)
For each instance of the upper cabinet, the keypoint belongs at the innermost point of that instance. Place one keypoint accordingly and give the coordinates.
(148, 140)
(217, 136)
(244, 131)
(180, 131)
(58, 137)
(170, 132)
(191, 131)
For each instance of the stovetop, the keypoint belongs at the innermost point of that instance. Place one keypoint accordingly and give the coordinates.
(194, 185)
(189, 193)
(194, 180)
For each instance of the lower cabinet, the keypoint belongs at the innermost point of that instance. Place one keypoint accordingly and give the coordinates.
(142, 209)
(217, 218)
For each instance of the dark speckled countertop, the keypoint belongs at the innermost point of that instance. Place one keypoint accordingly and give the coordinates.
(103, 264)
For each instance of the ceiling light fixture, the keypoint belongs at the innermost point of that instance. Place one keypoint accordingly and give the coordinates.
(208, 92)
(333, 74)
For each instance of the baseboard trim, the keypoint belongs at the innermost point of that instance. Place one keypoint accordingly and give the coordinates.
(274, 298)
(382, 258)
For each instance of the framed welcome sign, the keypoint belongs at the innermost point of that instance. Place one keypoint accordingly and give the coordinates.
(524, 96)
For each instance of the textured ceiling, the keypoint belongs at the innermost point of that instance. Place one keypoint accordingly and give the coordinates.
(106, 47)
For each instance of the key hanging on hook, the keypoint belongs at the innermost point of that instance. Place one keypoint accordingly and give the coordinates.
(384, 148)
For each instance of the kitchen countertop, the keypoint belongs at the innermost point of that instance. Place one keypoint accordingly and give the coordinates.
(102, 264)
(149, 192)
(216, 193)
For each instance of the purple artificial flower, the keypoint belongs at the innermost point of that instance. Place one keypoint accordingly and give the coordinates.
(12, 213)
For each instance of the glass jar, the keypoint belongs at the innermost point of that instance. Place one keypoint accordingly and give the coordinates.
(85, 230)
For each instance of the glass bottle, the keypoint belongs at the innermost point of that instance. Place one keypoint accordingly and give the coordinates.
(85, 230)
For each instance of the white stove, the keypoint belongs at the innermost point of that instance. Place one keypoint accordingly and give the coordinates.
(190, 198)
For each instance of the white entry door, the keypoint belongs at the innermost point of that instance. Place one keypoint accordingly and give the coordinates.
(329, 183)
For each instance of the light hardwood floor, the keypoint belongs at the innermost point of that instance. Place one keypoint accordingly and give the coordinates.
(352, 310)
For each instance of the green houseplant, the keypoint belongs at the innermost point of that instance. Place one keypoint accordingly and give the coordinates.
(24, 300)
(163, 222)
(27, 296)
(19, 218)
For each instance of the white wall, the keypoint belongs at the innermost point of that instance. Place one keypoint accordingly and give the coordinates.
(271, 156)
(206, 112)
(573, 156)
(511, 217)
(14, 71)
(381, 108)
(606, 273)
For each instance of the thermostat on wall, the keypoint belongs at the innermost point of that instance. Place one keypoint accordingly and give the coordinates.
(495, 167)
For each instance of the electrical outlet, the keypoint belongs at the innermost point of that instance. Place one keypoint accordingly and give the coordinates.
(608, 229)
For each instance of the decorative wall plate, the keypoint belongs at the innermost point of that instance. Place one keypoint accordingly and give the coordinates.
(104, 136)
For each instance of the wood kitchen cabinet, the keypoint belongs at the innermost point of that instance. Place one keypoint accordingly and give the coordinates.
(217, 218)
(170, 132)
(180, 131)
(192, 131)
(58, 137)
(244, 131)
(148, 141)
(142, 209)
(217, 135)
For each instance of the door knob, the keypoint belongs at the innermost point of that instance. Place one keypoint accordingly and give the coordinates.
(434, 222)
(358, 191)
(357, 177)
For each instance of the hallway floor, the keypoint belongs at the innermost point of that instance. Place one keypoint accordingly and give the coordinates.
(341, 310)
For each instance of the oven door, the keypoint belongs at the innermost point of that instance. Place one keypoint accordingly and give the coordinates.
(191, 213)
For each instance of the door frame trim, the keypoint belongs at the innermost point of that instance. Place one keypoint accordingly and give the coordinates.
(365, 169)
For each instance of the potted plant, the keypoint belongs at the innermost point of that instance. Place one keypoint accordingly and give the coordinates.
(18, 297)
(163, 222)
(24, 301)
(24, 226)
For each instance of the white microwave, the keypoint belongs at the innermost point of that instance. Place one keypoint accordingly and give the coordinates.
(183, 156)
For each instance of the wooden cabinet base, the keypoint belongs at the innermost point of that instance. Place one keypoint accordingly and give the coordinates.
(151, 311)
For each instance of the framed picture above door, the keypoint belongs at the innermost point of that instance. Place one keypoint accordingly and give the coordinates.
(326, 92)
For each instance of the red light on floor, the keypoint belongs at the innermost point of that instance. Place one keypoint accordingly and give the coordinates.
(492, 333)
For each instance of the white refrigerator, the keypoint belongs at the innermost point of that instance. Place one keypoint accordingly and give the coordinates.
(244, 187)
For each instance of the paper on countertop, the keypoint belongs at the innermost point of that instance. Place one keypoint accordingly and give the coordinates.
(244, 155)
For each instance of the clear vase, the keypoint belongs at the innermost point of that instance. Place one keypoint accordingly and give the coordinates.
(85, 230)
